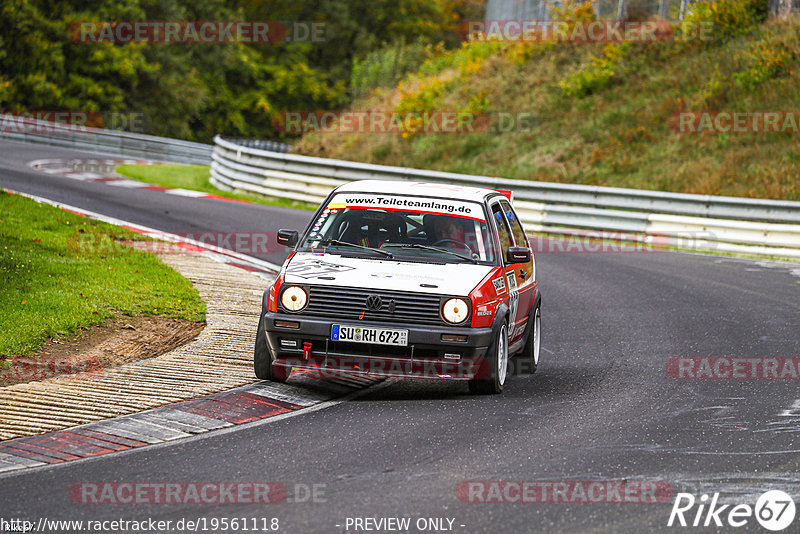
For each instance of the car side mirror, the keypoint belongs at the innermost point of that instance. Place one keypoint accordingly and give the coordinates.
(518, 255)
(287, 238)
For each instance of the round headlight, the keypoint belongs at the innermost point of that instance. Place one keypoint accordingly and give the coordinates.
(294, 298)
(455, 311)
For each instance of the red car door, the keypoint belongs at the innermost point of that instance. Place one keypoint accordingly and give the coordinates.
(523, 275)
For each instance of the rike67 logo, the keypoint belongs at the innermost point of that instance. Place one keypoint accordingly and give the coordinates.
(774, 510)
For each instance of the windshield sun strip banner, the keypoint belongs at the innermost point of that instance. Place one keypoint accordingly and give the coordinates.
(437, 206)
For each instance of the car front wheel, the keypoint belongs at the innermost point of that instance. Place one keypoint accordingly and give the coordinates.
(533, 344)
(262, 360)
(492, 373)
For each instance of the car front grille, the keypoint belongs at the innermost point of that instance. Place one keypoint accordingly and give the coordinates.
(395, 306)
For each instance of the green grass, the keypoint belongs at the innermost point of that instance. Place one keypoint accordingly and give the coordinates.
(195, 178)
(615, 131)
(61, 272)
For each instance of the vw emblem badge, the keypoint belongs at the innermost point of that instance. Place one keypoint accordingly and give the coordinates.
(374, 302)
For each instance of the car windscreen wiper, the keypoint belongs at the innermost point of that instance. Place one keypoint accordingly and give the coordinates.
(437, 249)
(337, 242)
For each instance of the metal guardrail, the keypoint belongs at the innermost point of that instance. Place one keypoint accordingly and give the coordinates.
(702, 222)
(261, 144)
(112, 142)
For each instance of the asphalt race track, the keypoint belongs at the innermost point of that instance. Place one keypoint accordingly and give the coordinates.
(602, 406)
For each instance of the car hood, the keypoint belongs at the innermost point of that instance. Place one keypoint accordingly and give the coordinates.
(333, 270)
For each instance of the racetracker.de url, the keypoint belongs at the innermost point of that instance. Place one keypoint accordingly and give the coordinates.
(144, 526)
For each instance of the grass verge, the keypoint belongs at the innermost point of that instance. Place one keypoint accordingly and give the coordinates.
(195, 178)
(62, 272)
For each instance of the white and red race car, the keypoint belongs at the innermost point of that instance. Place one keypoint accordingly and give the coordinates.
(405, 279)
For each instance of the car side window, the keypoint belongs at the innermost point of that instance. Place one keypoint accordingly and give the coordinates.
(502, 228)
(516, 227)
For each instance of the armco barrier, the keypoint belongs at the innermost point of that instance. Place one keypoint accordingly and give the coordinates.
(103, 141)
(702, 222)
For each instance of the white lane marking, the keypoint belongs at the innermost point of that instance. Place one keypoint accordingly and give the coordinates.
(788, 422)
(131, 184)
(82, 175)
(185, 193)
(793, 411)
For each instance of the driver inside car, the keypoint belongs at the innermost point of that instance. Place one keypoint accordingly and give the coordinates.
(447, 228)
(452, 233)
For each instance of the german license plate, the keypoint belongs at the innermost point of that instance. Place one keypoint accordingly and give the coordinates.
(361, 334)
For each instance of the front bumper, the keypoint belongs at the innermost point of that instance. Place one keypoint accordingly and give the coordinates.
(425, 356)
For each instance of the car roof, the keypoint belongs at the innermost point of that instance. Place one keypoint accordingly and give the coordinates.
(392, 187)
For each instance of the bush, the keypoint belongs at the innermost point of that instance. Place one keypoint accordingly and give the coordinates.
(766, 60)
(724, 18)
(387, 66)
(573, 11)
(596, 75)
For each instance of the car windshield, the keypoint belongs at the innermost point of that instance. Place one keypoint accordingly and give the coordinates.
(409, 228)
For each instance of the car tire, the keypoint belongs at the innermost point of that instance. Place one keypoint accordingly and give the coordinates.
(262, 359)
(494, 368)
(532, 349)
